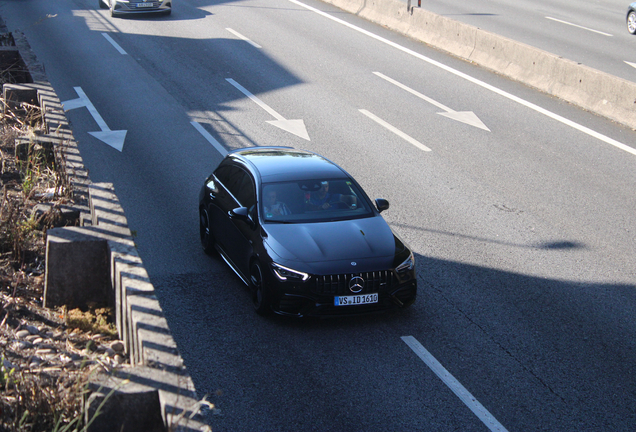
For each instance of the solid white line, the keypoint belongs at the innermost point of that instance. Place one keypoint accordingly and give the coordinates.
(115, 44)
(630, 63)
(240, 36)
(581, 27)
(459, 390)
(395, 130)
(500, 92)
(217, 145)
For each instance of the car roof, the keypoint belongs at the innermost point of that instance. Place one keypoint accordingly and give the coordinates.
(276, 164)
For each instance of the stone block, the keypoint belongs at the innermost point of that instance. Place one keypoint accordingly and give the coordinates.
(77, 269)
(180, 407)
(55, 215)
(38, 149)
(13, 65)
(124, 412)
(16, 94)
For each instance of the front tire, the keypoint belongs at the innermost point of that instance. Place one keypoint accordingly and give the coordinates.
(259, 291)
(207, 238)
(631, 22)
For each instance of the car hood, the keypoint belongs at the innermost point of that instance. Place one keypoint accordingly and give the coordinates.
(359, 239)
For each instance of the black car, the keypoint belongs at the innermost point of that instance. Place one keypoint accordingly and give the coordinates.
(303, 236)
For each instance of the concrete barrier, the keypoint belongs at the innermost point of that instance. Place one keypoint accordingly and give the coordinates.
(120, 278)
(588, 88)
(98, 262)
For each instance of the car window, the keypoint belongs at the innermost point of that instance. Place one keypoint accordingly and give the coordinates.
(238, 182)
(313, 201)
(246, 193)
(222, 173)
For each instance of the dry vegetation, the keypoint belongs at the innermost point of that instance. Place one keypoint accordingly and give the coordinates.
(46, 355)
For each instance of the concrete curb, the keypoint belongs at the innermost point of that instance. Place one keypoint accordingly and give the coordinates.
(98, 262)
(588, 88)
(79, 260)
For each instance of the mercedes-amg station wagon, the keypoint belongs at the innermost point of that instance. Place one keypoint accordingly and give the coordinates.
(303, 236)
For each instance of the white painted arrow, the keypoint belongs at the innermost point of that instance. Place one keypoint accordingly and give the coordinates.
(467, 117)
(296, 127)
(114, 139)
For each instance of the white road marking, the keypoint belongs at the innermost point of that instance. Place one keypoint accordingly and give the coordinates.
(296, 127)
(115, 44)
(113, 138)
(457, 388)
(467, 117)
(493, 89)
(395, 130)
(578, 26)
(631, 64)
(240, 36)
(217, 145)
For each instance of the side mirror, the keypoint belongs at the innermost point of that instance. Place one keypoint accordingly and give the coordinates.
(381, 204)
(242, 214)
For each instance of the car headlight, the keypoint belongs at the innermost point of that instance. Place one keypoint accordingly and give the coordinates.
(287, 274)
(407, 264)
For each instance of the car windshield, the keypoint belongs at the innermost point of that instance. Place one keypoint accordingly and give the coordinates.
(313, 201)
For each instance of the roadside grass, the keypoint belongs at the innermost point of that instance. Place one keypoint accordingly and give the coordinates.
(49, 398)
(94, 320)
(41, 400)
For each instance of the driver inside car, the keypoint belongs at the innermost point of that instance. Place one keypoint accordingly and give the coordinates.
(322, 199)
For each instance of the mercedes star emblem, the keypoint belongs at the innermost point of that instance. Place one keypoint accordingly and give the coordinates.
(356, 284)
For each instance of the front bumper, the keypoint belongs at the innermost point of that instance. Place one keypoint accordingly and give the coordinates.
(139, 7)
(304, 304)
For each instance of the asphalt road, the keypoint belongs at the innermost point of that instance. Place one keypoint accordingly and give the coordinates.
(593, 33)
(523, 222)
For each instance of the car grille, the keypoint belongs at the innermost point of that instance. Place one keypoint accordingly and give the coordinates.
(374, 282)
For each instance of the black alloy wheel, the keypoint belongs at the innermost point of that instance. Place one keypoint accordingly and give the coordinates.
(207, 239)
(258, 290)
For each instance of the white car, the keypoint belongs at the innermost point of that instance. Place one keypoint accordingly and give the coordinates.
(121, 7)
(631, 18)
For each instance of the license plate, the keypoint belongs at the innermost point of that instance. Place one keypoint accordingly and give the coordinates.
(355, 300)
(143, 5)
